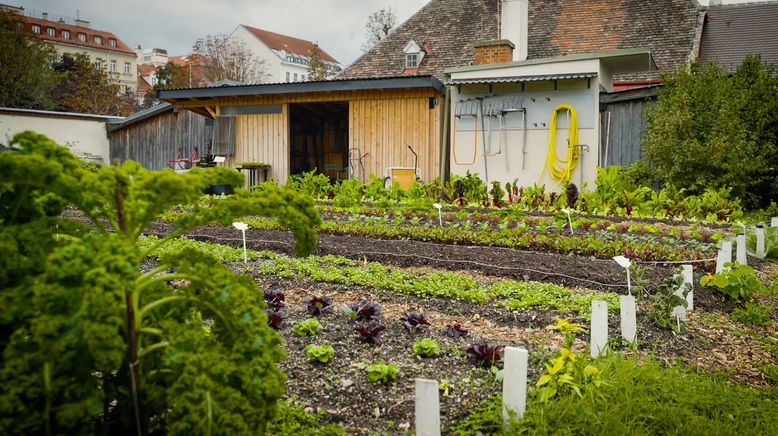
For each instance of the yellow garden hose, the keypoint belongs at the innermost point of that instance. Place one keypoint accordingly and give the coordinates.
(559, 169)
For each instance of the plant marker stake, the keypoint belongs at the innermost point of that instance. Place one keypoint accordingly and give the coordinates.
(760, 248)
(724, 256)
(427, 408)
(626, 264)
(439, 207)
(242, 227)
(688, 277)
(569, 221)
(740, 256)
(774, 221)
(629, 322)
(514, 384)
(599, 329)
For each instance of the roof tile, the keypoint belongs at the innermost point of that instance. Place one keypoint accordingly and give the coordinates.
(276, 41)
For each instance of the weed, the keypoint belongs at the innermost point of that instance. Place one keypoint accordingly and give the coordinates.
(754, 314)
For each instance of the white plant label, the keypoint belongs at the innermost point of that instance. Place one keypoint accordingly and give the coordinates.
(242, 227)
(629, 322)
(760, 248)
(724, 256)
(599, 328)
(427, 408)
(514, 384)
(740, 255)
(774, 221)
(688, 277)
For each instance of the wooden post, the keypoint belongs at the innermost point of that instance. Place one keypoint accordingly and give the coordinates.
(629, 322)
(688, 277)
(760, 248)
(427, 408)
(599, 328)
(740, 255)
(724, 256)
(514, 384)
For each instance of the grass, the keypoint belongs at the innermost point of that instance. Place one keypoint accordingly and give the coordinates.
(293, 420)
(642, 398)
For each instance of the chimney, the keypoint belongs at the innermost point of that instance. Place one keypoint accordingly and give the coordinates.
(497, 51)
(82, 23)
(513, 25)
(45, 15)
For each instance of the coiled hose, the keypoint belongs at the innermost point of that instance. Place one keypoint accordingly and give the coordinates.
(559, 169)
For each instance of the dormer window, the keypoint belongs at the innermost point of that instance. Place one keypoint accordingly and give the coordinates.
(52, 32)
(65, 34)
(112, 42)
(98, 40)
(82, 37)
(36, 29)
(413, 55)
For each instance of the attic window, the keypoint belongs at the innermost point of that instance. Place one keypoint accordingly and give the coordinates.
(112, 42)
(66, 34)
(52, 32)
(36, 29)
(411, 60)
(82, 37)
(413, 55)
(98, 40)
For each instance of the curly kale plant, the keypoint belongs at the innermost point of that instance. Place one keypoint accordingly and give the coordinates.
(92, 344)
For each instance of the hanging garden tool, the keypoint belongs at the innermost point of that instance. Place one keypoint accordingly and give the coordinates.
(466, 109)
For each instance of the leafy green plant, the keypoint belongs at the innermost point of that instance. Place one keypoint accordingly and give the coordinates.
(754, 314)
(382, 373)
(92, 344)
(426, 347)
(665, 299)
(308, 327)
(568, 330)
(739, 282)
(321, 353)
(566, 373)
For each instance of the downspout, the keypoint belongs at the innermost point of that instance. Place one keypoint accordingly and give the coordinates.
(444, 138)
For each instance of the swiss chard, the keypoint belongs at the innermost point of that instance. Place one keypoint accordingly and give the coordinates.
(414, 321)
(317, 305)
(485, 355)
(369, 332)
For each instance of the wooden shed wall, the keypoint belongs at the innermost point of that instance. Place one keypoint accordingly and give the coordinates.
(621, 126)
(155, 140)
(381, 123)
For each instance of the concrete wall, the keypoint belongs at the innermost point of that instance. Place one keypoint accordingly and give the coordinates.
(84, 135)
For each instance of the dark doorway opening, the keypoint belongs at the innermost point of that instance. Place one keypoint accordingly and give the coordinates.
(319, 138)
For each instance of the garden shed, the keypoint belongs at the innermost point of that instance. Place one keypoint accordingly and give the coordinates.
(338, 127)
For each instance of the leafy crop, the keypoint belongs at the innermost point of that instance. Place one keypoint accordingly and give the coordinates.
(275, 318)
(665, 299)
(363, 311)
(738, 283)
(414, 321)
(485, 355)
(274, 298)
(426, 347)
(382, 373)
(316, 306)
(754, 314)
(90, 344)
(308, 327)
(321, 353)
(455, 331)
(369, 332)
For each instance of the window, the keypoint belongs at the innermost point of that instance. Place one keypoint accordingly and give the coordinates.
(98, 40)
(82, 37)
(52, 32)
(127, 68)
(295, 77)
(303, 77)
(112, 42)
(66, 34)
(411, 60)
(287, 77)
(36, 29)
(113, 66)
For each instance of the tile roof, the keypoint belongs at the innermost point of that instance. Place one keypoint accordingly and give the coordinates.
(146, 69)
(74, 30)
(556, 27)
(733, 31)
(276, 41)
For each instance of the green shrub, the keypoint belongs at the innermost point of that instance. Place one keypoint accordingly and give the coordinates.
(382, 373)
(754, 314)
(426, 347)
(322, 353)
(309, 327)
(738, 283)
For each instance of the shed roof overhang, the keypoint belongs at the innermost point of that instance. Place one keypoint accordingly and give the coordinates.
(518, 79)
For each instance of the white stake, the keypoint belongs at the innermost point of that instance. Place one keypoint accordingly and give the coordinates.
(626, 264)
(724, 256)
(740, 256)
(774, 221)
(569, 220)
(629, 322)
(599, 328)
(688, 277)
(514, 384)
(427, 408)
(760, 248)
(242, 227)
(439, 207)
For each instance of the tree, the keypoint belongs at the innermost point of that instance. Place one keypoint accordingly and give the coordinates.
(87, 88)
(171, 76)
(711, 130)
(26, 77)
(94, 338)
(379, 25)
(317, 69)
(227, 58)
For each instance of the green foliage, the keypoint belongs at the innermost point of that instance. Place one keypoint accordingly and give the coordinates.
(426, 347)
(739, 282)
(171, 76)
(710, 129)
(90, 344)
(770, 241)
(88, 88)
(292, 420)
(317, 69)
(26, 78)
(314, 184)
(568, 330)
(640, 398)
(665, 299)
(382, 373)
(566, 374)
(754, 314)
(308, 327)
(321, 353)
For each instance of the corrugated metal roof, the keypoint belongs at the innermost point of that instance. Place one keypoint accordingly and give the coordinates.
(518, 79)
(121, 123)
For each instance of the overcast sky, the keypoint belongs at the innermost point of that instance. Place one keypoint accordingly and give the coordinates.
(337, 25)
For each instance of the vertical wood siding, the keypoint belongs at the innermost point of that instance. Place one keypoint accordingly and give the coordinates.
(621, 140)
(263, 138)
